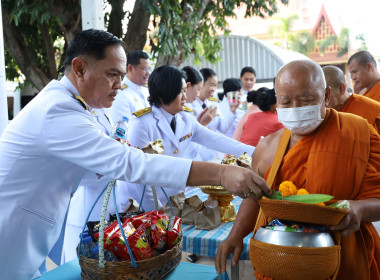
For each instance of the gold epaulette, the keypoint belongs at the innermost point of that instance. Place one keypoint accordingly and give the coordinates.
(187, 109)
(142, 112)
(124, 86)
(213, 99)
(82, 102)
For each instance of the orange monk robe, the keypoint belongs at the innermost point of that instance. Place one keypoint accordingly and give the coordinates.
(365, 107)
(374, 92)
(341, 158)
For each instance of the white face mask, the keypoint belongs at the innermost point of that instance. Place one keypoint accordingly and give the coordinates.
(301, 120)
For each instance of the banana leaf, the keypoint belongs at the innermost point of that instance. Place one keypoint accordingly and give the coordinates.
(308, 198)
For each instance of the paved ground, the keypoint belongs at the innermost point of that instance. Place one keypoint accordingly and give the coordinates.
(245, 267)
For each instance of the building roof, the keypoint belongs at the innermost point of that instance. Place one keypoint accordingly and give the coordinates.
(241, 51)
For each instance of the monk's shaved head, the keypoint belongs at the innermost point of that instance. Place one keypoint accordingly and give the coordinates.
(334, 76)
(362, 58)
(336, 80)
(302, 71)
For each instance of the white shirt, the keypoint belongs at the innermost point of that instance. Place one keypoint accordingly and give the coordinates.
(129, 100)
(44, 153)
(155, 125)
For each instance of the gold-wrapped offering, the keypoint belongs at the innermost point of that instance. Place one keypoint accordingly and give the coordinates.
(220, 194)
(154, 147)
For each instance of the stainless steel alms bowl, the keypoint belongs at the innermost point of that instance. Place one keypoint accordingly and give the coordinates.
(297, 239)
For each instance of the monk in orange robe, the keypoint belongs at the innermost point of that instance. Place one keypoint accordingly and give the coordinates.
(363, 69)
(343, 101)
(328, 152)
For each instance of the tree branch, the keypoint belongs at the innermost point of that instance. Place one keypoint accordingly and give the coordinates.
(116, 16)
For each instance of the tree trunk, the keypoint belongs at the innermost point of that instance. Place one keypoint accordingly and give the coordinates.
(21, 53)
(49, 50)
(135, 38)
(116, 16)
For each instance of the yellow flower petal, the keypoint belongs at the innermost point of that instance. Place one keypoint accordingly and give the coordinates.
(287, 188)
(302, 192)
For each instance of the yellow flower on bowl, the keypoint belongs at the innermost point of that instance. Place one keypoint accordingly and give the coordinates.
(287, 188)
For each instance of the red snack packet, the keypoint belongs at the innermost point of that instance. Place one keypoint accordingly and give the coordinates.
(139, 242)
(159, 225)
(116, 241)
(174, 231)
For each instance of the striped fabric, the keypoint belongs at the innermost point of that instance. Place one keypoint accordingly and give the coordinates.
(206, 242)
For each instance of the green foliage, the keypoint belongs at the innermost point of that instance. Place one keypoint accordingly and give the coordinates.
(363, 45)
(302, 42)
(281, 31)
(344, 41)
(190, 26)
(323, 44)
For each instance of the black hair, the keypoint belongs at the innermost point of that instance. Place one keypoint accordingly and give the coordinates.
(90, 42)
(247, 69)
(165, 84)
(362, 58)
(263, 97)
(134, 57)
(231, 84)
(207, 73)
(193, 75)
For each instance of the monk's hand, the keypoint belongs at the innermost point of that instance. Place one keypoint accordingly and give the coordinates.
(351, 221)
(243, 182)
(233, 245)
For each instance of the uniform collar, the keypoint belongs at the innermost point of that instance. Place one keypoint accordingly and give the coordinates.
(72, 89)
(132, 85)
(167, 115)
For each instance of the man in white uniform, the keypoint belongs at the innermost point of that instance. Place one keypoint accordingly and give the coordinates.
(46, 150)
(134, 93)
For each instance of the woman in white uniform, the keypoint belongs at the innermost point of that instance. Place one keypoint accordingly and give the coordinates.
(170, 120)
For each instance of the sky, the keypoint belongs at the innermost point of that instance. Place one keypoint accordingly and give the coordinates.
(360, 17)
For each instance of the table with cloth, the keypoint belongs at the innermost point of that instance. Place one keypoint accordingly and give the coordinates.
(206, 242)
(184, 271)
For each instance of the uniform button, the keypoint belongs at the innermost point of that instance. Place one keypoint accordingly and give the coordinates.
(175, 152)
(94, 112)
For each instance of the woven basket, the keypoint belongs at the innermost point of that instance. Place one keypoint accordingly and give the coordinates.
(153, 268)
(302, 212)
(292, 263)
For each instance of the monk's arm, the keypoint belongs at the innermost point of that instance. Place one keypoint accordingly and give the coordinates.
(366, 206)
(365, 210)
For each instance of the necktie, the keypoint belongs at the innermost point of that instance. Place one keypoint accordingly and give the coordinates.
(204, 106)
(172, 124)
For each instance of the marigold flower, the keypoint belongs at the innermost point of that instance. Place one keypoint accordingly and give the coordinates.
(321, 204)
(302, 192)
(287, 188)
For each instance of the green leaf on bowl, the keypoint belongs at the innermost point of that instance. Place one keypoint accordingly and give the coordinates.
(309, 198)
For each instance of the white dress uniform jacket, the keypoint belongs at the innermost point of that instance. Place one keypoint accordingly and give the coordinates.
(84, 197)
(129, 99)
(155, 125)
(44, 153)
(221, 123)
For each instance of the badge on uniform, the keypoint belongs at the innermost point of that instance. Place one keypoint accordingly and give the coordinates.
(187, 136)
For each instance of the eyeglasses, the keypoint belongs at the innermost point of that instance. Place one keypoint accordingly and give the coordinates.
(145, 69)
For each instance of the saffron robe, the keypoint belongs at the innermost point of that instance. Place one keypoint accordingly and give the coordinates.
(374, 92)
(341, 158)
(365, 107)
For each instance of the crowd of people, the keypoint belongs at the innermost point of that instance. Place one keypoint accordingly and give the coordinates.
(56, 155)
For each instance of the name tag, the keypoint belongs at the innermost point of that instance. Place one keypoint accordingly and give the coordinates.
(187, 136)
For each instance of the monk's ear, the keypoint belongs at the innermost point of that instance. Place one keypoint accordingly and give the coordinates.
(342, 88)
(327, 95)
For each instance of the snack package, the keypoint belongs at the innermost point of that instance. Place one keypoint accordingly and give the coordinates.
(174, 231)
(139, 241)
(93, 228)
(159, 226)
(125, 215)
(293, 227)
(115, 241)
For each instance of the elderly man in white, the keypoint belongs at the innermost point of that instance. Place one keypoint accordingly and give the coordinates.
(46, 150)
